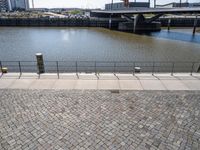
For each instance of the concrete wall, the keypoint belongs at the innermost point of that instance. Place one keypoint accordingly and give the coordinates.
(183, 22)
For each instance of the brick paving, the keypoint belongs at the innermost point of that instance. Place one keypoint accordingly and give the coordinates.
(98, 120)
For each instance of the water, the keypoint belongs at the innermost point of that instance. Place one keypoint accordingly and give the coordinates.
(96, 44)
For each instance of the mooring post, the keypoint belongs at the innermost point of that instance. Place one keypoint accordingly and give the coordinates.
(195, 25)
(40, 63)
(169, 24)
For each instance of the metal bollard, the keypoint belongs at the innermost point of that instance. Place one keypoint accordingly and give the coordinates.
(40, 63)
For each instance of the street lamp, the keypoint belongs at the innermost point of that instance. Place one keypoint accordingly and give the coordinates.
(111, 5)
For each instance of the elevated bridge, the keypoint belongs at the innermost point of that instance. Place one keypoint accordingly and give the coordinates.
(139, 22)
(148, 11)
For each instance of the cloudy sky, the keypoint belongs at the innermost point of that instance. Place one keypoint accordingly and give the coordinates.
(88, 3)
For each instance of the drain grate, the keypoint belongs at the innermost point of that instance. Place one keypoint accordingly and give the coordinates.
(114, 91)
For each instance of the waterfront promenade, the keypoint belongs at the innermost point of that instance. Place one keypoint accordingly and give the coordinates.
(104, 111)
(83, 81)
(99, 120)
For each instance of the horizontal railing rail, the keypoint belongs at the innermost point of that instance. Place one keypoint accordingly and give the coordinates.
(96, 67)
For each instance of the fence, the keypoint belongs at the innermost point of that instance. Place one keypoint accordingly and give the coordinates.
(59, 67)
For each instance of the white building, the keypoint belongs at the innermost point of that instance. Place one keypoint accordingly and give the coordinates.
(174, 5)
(19, 4)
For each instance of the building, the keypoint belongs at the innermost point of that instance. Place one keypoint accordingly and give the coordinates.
(174, 5)
(19, 4)
(4, 5)
(132, 5)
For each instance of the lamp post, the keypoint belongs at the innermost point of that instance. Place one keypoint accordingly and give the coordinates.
(111, 5)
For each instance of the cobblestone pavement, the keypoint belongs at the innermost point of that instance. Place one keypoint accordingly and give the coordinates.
(61, 119)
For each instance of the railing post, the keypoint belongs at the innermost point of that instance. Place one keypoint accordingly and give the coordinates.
(20, 69)
(57, 70)
(95, 67)
(1, 68)
(114, 67)
(192, 68)
(172, 73)
(133, 68)
(77, 69)
(153, 68)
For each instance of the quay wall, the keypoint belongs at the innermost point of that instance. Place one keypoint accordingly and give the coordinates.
(101, 22)
(40, 22)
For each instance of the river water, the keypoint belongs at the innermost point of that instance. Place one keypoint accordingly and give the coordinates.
(97, 44)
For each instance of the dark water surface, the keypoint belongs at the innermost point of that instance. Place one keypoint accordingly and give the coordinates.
(96, 44)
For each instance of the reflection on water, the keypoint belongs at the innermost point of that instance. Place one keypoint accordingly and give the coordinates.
(96, 44)
(177, 35)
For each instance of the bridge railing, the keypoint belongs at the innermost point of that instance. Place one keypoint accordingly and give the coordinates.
(97, 67)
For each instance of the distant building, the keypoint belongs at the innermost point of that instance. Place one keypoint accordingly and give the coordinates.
(174, 5)
(4, 5)
(132, 5)
(19, 4)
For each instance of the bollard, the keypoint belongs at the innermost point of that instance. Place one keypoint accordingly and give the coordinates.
(40, 63)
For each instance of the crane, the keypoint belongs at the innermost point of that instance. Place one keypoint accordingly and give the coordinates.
(33, 3)
(126, 3)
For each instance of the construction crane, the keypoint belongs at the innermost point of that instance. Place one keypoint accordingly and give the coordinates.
(33, 3)
(126, 3)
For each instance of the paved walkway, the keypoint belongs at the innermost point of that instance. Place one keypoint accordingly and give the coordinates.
(102, 81)
(99, 120)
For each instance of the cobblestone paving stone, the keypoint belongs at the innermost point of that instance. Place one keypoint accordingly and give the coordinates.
(98, 120)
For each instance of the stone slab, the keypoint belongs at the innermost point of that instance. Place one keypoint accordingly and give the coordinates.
(152, 85)
(108, 84)
(174, 85)
(22, 83)
(130, 85)
(6, 83)
(192, 84)
(86, 84)
(64, 84)
(43, 84)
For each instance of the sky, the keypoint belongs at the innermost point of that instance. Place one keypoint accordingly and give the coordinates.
(88, 3)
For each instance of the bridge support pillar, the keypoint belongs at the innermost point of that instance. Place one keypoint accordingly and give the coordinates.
(169, 24)
(110, 22)
(134, 24)
(195, 25)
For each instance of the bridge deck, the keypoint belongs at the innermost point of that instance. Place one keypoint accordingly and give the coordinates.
(150, 11)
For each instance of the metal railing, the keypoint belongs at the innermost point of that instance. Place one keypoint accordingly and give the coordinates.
(97, 67)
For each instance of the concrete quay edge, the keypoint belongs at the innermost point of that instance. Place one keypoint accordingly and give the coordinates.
(82, 81)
